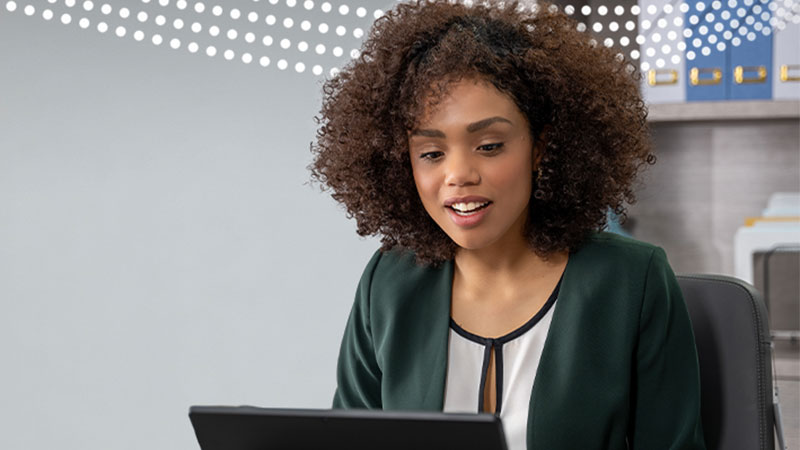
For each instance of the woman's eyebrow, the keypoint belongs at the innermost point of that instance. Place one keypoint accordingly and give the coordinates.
(428, 133)
(481, 124)
(471, 128)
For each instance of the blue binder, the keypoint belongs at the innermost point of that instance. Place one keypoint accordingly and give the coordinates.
(732, 47)
(751, 61)
(706, 73)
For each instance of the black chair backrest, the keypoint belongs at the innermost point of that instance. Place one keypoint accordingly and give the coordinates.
(733, 346)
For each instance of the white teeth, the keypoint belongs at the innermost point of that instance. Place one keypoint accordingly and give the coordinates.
(467, 207)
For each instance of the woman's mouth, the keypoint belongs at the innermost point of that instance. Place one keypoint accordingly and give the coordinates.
(468, 209)
(469, 214)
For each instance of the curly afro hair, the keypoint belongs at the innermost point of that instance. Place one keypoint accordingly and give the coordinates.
(583, 98)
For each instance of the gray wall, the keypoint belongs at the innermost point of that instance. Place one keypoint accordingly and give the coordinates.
(158, 244)
(709, 177)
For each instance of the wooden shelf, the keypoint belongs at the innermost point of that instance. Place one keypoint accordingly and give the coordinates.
(724, 111)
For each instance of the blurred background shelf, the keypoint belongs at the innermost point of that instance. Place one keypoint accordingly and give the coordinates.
(724, 110)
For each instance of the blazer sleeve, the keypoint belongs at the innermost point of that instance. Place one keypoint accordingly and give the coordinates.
(358, 376)
(666, 381)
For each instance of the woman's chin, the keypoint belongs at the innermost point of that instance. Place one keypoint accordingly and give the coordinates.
(471, 242)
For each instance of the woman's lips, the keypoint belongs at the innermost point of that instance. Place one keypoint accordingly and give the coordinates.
(466, 199)
(469, 219)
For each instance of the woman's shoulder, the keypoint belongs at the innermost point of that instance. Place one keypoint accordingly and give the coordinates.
(399, 292)
(397, 274)
(612, 256)
(400, 266)
(401, 263)
(611, 246)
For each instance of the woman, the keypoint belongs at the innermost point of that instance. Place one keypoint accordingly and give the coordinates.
(484, 145)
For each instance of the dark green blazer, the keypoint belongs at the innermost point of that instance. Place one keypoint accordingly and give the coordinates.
(618, 370)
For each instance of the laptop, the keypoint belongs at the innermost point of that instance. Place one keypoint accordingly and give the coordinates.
(252, 428)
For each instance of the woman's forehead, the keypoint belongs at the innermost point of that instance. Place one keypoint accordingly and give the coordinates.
(466, 100)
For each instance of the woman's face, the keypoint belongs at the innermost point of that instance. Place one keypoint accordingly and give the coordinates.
(473, 159)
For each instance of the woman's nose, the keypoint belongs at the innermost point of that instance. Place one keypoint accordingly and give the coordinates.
(461, 170)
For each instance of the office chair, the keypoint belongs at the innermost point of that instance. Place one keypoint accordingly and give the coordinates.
(733, 346)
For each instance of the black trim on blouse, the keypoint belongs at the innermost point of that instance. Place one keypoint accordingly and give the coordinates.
(513, 334)
(487, 353)
(498, 367)
(497, 345)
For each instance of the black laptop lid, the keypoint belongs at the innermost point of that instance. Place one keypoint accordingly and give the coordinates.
(251, 428)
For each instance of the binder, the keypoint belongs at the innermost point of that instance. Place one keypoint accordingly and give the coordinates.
(751, 68)
(786, 62)
(707, 63)
(663, 79)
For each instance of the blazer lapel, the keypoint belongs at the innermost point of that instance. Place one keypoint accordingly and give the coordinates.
(554, 364)
(433, 367)
(414, 322)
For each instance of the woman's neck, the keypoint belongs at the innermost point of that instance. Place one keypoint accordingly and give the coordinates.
(502, 267)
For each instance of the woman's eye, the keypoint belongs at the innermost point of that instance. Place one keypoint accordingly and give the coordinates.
(431, 156)
(491, 147)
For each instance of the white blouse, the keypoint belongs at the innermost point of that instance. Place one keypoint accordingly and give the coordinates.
(517, 356)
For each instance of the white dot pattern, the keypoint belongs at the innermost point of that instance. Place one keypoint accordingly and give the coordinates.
(706, 27)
